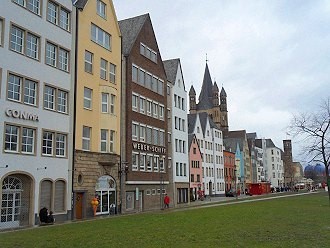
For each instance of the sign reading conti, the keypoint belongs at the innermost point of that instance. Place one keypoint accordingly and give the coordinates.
(148, 148)
(21, 115)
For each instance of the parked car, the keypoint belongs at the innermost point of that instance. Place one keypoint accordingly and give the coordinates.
(230, 193)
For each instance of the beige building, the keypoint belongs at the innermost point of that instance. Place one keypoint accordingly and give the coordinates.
(97, 116)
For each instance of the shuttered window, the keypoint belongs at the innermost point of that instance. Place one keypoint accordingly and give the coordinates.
(59, 196)
(46, 194)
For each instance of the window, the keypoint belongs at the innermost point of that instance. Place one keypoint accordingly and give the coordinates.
(161, 112)
(112, 73)
(63, 59)
(149, 135)
(148, 52)
(105, 103)
(142, 105)
(89, 62)
(86, 138)
(194, 150)
(142, 133)
(161, 138)
(101, 8)
(154, 84)
(60, 145)
(135, 161)
(101, 37)
(19, 139)
(149, 162)
(58, 15)
(135, 131)
(156, 163)
(112, 104)
(149, 107)
(141, 78)
(135, 71)
(54, 141)
(59, 197)
(103, 69)
(160, 87)
(104, 140)
(192, 178)
(31, 5)
(155, 110)
(148, 80)
(112, 140)
(143, 162)
(162, 164)
(57, 57)
(51, 53)
(24, 42)
(88, 98)
(55, 99)
(135, 100)
(20, 86)
(155, 136)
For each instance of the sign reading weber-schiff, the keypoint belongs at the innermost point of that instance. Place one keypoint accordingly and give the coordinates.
(148, 148)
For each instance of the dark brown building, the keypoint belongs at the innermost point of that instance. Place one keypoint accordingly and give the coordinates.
(144, 119)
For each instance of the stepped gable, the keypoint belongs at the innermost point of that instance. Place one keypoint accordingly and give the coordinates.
(192, 91)
(130, 28)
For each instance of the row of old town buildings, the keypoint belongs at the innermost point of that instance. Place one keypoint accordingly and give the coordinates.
(90, 109)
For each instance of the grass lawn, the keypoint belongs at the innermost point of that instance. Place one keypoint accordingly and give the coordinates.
(299, 221)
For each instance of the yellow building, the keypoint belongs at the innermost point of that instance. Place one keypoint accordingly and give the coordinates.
(97, 116)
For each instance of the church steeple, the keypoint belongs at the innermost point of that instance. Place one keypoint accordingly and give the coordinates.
(192, 99)
(206, 95)
(215, 95)
(223, 100)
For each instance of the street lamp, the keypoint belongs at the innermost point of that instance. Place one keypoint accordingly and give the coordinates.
(235, 182)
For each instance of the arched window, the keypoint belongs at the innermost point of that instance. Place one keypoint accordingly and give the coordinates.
(46, 194)
(59, 198)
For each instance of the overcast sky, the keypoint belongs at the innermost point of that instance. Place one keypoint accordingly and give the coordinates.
(272, 57)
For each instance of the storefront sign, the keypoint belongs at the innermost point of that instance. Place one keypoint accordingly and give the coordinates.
(21, 115)
(148, 148)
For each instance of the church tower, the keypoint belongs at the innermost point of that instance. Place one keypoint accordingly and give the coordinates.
(208, 101)
(192, 100)
(223, 110)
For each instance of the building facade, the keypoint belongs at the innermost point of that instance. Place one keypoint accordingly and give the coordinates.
(35, 80)
(98, 108)
(144, 148)
(230, 170)
(210, 141)
(196, 169)
(179, 126)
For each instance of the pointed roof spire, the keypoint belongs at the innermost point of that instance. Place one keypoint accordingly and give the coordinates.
(223, 92)
(215, 87)
(205, 97)
(192, 91)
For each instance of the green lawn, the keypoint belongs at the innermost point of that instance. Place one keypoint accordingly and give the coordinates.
(299, 221)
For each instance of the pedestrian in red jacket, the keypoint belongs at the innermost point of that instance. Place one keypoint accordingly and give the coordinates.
(166, 201)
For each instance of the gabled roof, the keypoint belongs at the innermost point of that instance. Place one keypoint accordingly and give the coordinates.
(237, 134)
(215, 87)
(203, 119)
(130, 28)
(171, 69)
(269, 143)
(251, 135)
(191, 123)
(80, 4)
(206, 95)
(231, 144)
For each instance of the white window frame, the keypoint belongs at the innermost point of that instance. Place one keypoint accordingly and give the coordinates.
(161, 111)
(101, 9)
(135, 101)
(11, 138)
(103, 69)
(135, 166)
(112, 140)
(100, 37)
(112, 104)
(86, 138)
(88, 99)
(156, 163)
(155, 109)
(104, 102)
(149, 107)
(49, 97)
(48, 143)
(60, 145)
(135, 131)
(150, 161)
(112, 73)
(143, 162)
(88, 61)
(104, 140)
(142, 133)
(142, 103)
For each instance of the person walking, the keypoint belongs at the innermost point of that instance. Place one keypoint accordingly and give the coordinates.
(166, 201)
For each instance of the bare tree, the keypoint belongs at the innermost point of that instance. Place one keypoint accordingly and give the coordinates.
(313, 129)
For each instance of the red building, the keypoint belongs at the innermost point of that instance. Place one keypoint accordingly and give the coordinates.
(229, 165)
(196, 170)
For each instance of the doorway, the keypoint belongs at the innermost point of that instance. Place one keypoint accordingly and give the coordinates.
(79, 205)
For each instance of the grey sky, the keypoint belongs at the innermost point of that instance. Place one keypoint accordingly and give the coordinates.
(272, 57)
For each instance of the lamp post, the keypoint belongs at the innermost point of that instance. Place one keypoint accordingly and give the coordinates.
(123, 170)
(235, 182)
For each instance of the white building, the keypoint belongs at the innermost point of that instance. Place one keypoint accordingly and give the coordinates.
(179, 127)
(210, 141)
(36, 99)
(272, 162)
